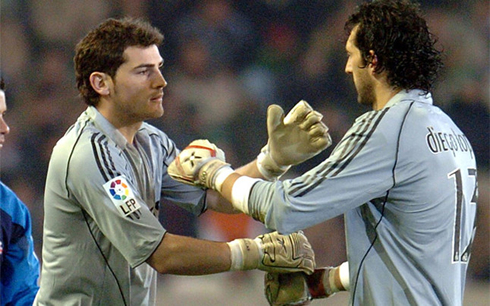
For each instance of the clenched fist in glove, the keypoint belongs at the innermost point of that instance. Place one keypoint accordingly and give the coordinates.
(198, 164)
(299, 288)
(273, 252)
(292, 139)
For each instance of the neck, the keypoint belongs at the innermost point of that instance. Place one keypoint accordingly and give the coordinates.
(129, 131)
(126, 126)
(383, 91)
(384, 95)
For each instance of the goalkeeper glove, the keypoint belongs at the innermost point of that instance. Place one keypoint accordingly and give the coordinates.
(273, 252)
(299, 288)
(201, 163)
(292, 140)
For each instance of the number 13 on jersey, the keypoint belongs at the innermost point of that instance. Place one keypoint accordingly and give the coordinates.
(466, 195)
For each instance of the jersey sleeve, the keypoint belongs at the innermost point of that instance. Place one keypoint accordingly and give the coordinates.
(359, 169)
(19, 263)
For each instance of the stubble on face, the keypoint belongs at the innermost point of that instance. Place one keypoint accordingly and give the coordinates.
(138, 84)
(363, 82)
(365, 88)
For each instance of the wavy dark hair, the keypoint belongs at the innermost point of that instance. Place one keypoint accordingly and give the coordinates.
(102, 49)
(401, 41)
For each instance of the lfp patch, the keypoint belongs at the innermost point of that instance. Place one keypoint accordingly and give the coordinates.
(121, 195)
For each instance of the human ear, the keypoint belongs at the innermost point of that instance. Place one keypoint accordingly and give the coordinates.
(373, 63)
(100, 83)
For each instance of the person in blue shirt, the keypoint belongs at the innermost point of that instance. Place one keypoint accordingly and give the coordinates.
(19, 264)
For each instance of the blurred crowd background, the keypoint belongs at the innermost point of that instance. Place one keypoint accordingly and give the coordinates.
(225, 62)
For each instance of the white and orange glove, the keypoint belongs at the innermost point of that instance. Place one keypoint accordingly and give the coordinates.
(299, 288)
(198, 164)
(292, 139)
(273, 253)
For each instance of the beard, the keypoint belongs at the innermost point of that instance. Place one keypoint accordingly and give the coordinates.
(365, 91)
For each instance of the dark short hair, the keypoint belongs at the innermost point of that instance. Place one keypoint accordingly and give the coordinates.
(2, 84)
(102, 50)
(400, 38)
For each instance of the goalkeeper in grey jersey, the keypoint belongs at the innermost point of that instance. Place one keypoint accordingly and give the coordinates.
(404, 176)
(103, 243)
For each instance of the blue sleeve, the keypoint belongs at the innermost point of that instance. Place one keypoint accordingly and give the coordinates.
(19, 264)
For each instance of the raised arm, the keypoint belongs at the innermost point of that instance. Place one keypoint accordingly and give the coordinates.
(292, 139)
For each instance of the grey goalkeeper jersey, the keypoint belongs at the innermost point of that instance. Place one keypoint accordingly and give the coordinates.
(405, 179)
(101, 204)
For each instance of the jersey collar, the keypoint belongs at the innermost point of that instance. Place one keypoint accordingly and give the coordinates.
(412, 95)
(106, 127)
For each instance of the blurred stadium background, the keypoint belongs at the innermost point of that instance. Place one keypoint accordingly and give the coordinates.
(225, 61)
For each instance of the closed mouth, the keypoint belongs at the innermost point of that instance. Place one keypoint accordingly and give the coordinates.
(159, 97)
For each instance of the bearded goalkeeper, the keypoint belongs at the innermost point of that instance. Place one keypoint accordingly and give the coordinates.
(404, 175)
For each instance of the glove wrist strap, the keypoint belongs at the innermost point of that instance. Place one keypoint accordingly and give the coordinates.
(245, 254)
(208, 173)
(269, 169)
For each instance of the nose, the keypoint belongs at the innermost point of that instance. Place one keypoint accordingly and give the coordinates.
(160, 80)
(348, 67)
(4, 128)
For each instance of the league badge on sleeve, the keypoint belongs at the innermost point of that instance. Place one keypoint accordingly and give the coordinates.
(122, 196)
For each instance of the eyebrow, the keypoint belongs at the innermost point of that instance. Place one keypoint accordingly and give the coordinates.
(160, 64)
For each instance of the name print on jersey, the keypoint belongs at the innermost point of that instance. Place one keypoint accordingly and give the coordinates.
(439, 141)
(122, 196)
